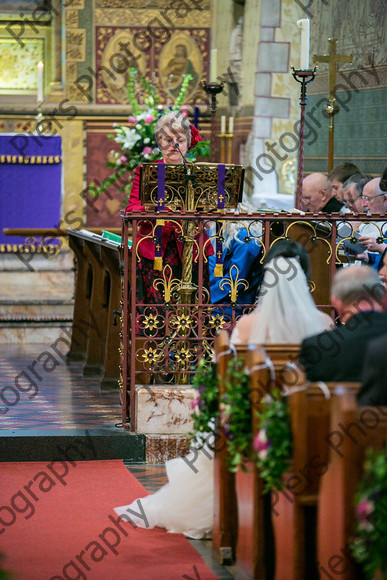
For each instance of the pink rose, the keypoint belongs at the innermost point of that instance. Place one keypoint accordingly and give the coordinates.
(132, 119)
(147, 151)
(194, 403)
(149, 119)
(123, 159)
(261, 444)
(364, 509)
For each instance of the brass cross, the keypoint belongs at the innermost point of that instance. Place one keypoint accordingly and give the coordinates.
(332, 59)
(332, 108)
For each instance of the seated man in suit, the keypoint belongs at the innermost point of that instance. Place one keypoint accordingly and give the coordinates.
(317, 194)
(374, 379)
(338, 354)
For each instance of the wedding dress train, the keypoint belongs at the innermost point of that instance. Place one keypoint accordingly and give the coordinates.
(183, 505)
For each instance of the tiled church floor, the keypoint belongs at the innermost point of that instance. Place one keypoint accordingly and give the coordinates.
(51, 394)
(58, 398)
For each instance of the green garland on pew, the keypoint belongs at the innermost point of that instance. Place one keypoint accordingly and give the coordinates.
(205, 405)
(271, 448)
(273, 443)
(369, 546)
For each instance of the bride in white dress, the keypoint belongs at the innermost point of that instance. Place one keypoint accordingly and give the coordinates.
(285, 313)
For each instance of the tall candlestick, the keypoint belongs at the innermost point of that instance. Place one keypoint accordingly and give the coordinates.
(231, 125)
(304, 49)
(222, 124)
(213, 65)
(40, 82)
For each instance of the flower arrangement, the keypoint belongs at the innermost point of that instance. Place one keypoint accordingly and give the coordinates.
(205, 406)
(236, 411)
(369, 546)
(270, 450)
(273, 443)
(137, 141)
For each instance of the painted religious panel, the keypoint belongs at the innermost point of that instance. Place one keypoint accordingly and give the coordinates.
(164, 56)
(18, 72)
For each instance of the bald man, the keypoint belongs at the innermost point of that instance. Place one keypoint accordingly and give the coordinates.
(374, 199)
(317, 195)
(357, 294)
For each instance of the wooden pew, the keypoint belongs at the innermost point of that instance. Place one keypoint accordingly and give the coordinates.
(82, 295)
(294, 508)
(225, 509)
(95, 339)
(224, 535)
(352, 430)
(255, 544)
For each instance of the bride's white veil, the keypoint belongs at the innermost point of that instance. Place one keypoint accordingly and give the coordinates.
(287, 312)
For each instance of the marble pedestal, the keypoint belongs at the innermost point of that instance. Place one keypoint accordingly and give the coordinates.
(163, 414)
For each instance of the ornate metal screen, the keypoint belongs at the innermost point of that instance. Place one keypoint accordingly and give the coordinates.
(163, 342)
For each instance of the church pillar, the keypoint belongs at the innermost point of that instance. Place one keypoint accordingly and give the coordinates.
(272, 57)
(56, 85)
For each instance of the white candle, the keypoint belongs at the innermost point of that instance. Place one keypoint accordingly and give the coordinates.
(213, 65)
(223, 124)
(231, 125)
(304, 49)
(40, 81)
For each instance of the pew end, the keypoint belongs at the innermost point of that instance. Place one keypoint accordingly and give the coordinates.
(353, 429)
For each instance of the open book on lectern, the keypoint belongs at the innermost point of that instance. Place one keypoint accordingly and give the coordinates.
(215, 186)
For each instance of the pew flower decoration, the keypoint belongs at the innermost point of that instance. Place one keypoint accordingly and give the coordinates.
(205, 405)
(369, 546)
(137, 139)
(273, 443)
(236, 416)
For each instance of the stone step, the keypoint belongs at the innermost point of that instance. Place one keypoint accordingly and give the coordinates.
(36, 309)
(43, 332)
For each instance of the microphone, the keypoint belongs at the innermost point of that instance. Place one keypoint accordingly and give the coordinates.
(177, 146)
(187, 175)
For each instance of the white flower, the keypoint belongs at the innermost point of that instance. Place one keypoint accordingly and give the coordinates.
(263, 454)
(146, 156)
(138, 127)
(146, 140)
(127, 138)
(144, 114)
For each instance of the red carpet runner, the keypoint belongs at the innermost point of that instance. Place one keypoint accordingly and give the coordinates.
(57, 523)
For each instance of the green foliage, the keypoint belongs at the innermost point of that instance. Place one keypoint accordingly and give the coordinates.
(137, 138)
(236, 411)
(271, 449)
(273, 443)
(369, 546)
(205, 405)
(4, 574)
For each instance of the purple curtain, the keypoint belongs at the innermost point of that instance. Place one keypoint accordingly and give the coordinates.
(30, 183)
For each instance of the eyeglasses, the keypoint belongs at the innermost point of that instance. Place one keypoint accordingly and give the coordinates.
(367, 198)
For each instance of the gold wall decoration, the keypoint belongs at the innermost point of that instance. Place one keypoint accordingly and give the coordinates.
(160, 4)
(18, 72)
(77, 4)
(142, 18)
(76, 44)
(72, 18)
(71, 72)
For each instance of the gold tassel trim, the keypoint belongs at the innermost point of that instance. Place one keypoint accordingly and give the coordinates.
(160, 222)
(158, 263)
(218, 272)
(30, 159)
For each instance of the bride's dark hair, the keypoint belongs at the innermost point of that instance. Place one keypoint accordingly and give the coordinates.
(290, 249)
